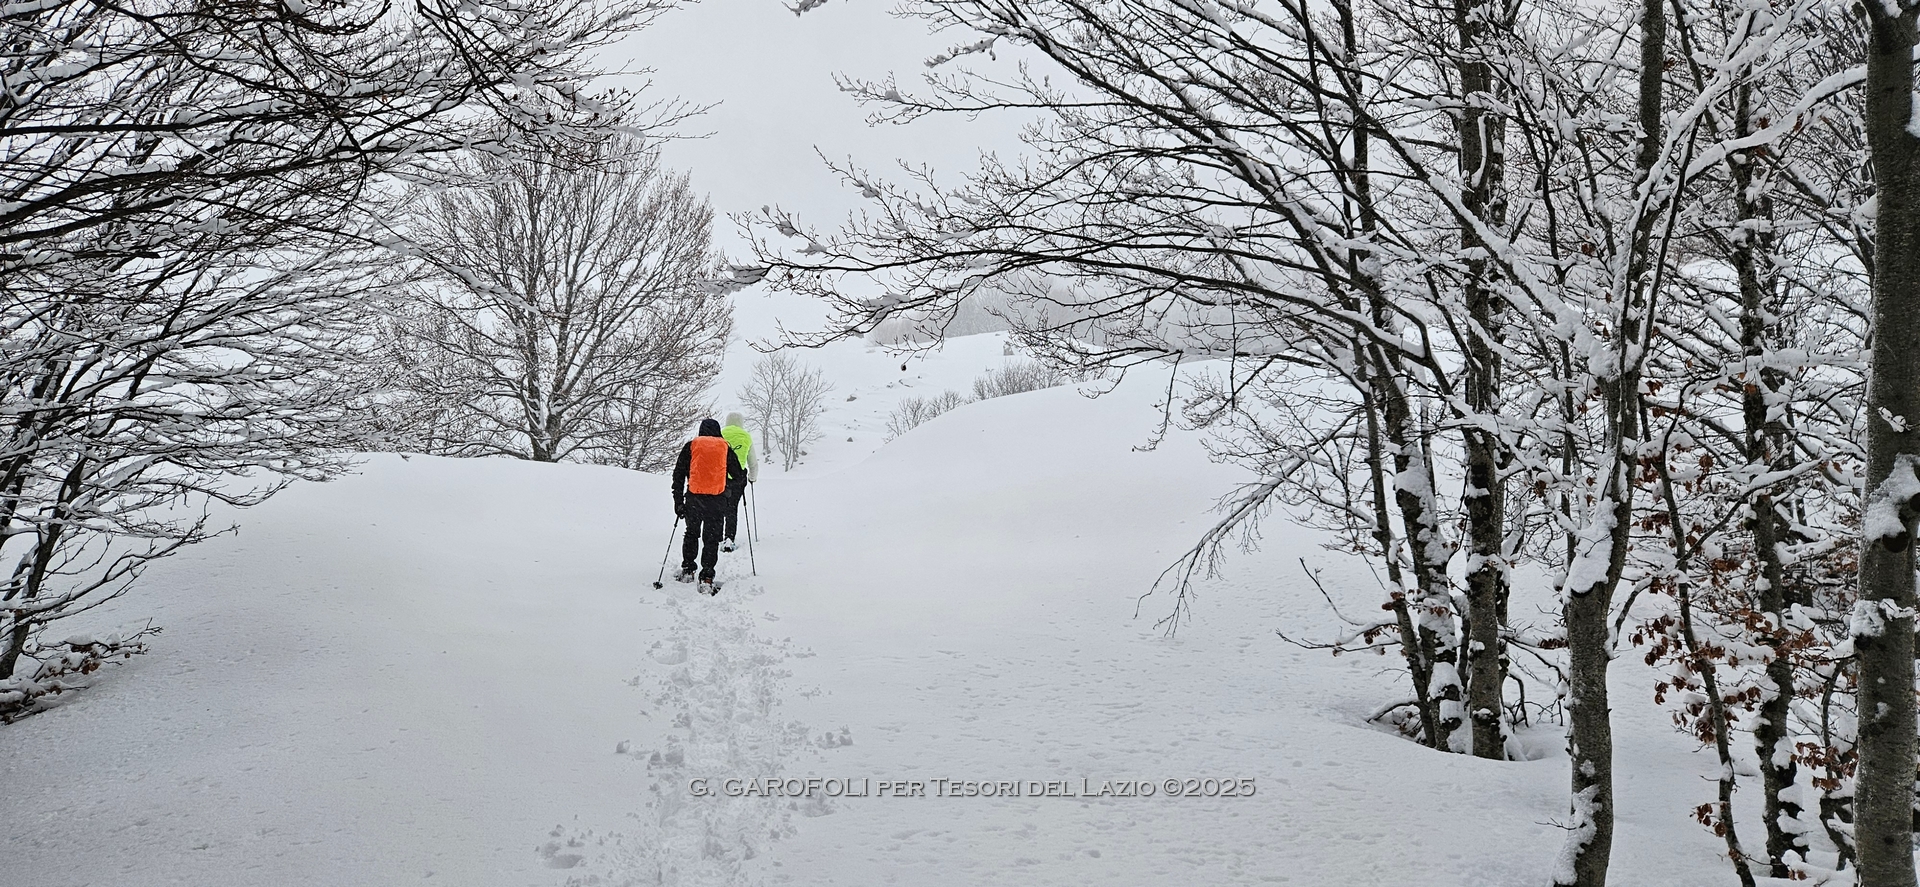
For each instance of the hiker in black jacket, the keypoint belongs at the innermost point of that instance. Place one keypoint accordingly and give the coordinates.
(706, 478)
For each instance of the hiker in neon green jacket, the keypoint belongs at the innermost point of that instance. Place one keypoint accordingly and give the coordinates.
(742, 443)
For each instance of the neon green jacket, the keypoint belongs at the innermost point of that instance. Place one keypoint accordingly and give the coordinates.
(742, 444)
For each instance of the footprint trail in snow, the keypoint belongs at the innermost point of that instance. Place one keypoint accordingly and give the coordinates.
(717, 686)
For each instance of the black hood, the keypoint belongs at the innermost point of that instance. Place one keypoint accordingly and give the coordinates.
(709, 428)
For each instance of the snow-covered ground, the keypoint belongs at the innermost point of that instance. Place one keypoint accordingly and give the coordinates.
(457, 672)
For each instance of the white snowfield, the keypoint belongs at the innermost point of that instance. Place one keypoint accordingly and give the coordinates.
(456, 672)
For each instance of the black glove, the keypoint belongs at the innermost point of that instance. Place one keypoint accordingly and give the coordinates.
(679, 509)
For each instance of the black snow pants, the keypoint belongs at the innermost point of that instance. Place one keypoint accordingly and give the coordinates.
(733, 511)
(706, 516)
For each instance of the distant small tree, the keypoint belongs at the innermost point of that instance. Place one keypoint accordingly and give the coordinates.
(786, 399)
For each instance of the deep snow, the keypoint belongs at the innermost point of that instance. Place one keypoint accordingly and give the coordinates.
(456, 672)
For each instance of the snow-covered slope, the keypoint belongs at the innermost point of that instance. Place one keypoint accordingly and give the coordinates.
(456, 672)
(868, 380)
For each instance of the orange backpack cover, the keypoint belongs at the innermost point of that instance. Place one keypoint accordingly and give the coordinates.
(707, 470)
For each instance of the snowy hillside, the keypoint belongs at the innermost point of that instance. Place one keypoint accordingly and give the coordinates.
(868, 381)
(456, 672)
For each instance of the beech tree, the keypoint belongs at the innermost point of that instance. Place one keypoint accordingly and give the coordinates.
(558, 311)
(1882, 625)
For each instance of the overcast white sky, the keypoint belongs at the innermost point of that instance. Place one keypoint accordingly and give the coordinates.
(771, 74)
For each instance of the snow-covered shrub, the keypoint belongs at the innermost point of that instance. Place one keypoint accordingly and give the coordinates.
(46, 672)
(916, 411)
(1014, 377)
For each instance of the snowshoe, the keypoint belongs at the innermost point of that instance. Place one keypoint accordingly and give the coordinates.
(710, 587)
(683, 576)
(726, 545)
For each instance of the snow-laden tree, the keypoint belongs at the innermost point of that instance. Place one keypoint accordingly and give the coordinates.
(1157, 218)
(1479, 280)
(185, 246)
(139, 390)
(558, 311)
(125, 123)
(1755, 422)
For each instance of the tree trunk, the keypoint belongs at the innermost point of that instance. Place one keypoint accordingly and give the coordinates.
(1590, 737)
(14, 643)
(23, 442)
(42, 556)
(1429, 614)
(1766, 447)
(1589, 600)
(1836, 811)
(1419, 655)
(1482, 137)
(1432, 609)
(1717, 721)
(1882, 626)
(1773, 743)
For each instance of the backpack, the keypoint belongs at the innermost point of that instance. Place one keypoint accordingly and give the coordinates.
(707, 467)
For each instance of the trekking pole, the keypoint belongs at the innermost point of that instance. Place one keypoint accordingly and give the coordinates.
(657, 583)
(753, 526)
(753, 506)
